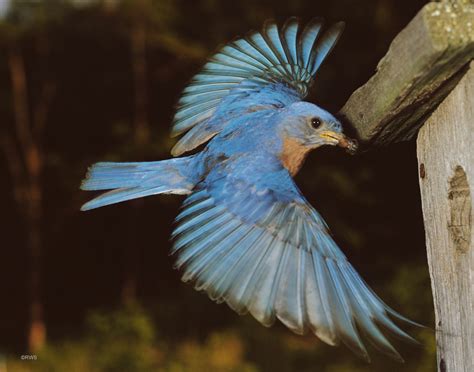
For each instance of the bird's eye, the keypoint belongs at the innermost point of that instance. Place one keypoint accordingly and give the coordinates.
(316, 123)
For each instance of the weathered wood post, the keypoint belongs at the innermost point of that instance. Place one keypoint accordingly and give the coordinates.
(428, 64)
(445, 149)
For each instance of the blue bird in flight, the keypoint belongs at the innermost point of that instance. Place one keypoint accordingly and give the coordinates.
(246, 235)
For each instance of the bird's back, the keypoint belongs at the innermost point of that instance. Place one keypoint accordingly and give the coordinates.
(252, 133)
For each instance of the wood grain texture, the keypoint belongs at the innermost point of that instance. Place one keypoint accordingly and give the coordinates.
(446, 159)
(423, 64)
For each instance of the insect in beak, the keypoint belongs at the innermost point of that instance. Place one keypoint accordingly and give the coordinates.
(340, 140)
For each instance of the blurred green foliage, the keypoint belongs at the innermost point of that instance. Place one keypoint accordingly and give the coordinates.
(128, 339)
(371, 201)
(124, 340)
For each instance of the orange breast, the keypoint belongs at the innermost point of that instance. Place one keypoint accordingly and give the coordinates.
(293, 155)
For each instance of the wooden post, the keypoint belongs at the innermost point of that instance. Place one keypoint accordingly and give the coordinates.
(426, 80)
(445, 148)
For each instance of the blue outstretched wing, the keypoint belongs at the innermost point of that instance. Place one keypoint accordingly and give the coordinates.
(248, 237)
(271, 68)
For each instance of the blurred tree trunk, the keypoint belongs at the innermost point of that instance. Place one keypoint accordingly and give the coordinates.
(141, 137)
(22, 147)
(138, 49)
(28, 191)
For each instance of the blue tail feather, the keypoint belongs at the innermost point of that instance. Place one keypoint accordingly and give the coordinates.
(135, 180)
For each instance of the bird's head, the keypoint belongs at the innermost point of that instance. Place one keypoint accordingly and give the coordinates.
(311, 126)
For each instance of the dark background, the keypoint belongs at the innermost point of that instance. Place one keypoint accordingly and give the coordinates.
(106, 75)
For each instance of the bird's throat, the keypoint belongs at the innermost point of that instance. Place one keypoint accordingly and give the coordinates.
(293, 155)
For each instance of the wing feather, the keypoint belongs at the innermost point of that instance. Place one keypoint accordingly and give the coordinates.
(290, 32)
(318, 315)
(222, 274)
(307, 41)
(262, 304)
(273, 39)
(325, 45)
(260, 247)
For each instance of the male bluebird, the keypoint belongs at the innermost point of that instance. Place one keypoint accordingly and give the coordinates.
(246, 234)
